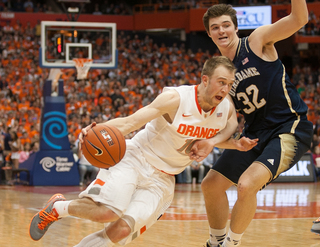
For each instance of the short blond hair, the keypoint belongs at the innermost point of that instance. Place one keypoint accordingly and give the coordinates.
(212, 63)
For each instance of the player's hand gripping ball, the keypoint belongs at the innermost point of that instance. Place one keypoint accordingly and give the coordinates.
(103, 146)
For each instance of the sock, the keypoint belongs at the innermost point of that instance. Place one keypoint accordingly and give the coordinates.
(232, 239)
(61, 207)
(96, 239)
(217, 236)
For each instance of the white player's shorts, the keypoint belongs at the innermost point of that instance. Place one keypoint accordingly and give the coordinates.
(133, 188)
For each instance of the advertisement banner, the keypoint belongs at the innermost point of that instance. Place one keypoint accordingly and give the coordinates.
(303, 171)
(251, 17)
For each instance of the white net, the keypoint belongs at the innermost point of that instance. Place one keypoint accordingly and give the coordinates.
(83, 65)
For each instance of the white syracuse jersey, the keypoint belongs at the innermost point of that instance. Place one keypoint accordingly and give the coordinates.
(166, 146)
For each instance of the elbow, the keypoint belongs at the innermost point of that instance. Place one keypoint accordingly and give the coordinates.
(300, 22)
(303, 20)
(300, 19)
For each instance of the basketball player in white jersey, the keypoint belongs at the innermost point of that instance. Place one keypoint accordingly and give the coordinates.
(132, 195)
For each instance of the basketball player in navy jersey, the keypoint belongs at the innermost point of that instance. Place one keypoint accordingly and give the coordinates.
(273, 112)
(132, 195)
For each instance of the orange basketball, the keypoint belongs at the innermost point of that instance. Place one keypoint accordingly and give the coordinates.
(104, 146)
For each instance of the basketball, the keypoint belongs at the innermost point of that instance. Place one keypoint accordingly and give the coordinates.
(104, 146)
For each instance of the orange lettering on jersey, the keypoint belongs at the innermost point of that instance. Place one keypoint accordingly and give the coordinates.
(204, 132)
(209, 133)
(189, 131)
(212, 132)
(182, 128)
(197, 131)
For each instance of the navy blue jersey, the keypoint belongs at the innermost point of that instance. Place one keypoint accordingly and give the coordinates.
(263, 93)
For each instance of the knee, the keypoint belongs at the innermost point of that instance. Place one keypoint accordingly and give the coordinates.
(205, 184)
(210, 182)
(246, 189)
(124, 229)
(118, 230)
(208, 185)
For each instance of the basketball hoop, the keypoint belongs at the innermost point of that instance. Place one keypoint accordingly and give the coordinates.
(83, 65)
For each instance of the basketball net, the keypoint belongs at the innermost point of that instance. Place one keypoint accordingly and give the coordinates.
(83, 65)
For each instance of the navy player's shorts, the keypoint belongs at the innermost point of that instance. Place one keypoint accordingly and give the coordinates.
(277, 150)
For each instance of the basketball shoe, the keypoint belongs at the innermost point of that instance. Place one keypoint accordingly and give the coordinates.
(44, 218)
(208, 244)
(316, 226)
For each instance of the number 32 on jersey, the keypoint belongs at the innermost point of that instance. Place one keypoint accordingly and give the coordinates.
(252, 106)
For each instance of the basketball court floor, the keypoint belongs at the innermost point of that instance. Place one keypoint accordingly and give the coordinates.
(284, 217)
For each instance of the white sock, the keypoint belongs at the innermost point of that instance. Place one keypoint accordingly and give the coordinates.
(96, 239)
(61, 208)
(217, 236)
(232, 239)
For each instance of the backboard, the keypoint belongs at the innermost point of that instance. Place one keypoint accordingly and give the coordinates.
(61, 41)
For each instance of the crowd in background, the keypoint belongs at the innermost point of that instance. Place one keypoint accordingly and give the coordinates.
(124, 7)
(144, 68)
(313, 26)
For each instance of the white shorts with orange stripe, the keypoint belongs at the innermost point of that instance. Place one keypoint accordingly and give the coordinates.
(133, 188)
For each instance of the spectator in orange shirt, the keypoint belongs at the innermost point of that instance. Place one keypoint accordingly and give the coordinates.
(104, 97)
(34, 133)
(88, 88)
(25, 124)
(24, 104)
(10, 119)
(100, 40)
(5, 106)
(25, 138)
(71, 105)
(311, 116)
(17, 26)
(121, 112)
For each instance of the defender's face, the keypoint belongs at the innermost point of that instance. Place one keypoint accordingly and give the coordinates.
(222, 30)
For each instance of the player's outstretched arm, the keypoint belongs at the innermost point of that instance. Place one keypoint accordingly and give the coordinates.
(243, 144)
(202, 148)
(283, 28)
(165, 103)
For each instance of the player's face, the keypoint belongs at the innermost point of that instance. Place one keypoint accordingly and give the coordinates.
(222, 30)
(218, 86)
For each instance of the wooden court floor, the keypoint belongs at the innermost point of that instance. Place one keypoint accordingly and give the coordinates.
(284, 217)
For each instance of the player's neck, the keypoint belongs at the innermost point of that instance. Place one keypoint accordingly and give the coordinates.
(230, 50)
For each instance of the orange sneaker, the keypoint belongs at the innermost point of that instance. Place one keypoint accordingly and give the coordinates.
(44, 218)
